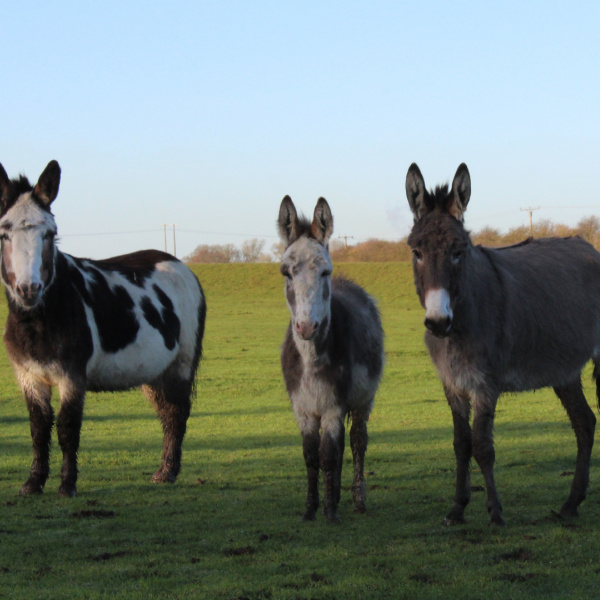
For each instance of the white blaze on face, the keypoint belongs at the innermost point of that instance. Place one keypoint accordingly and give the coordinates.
(437, 305)
(26, 256)
(25, 225)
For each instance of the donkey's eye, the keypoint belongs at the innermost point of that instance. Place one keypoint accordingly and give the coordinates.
(49, 235)
(456, 256)
(4, 237)
(417, 254)
(325, 273)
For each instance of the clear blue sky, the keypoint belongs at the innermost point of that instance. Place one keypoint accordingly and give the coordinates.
(205, 114)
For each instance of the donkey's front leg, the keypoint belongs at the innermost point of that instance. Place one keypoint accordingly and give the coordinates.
(483, 451)
(68, 427)
(41, 419)
(332, 454)
(310, 447)
(463, 450)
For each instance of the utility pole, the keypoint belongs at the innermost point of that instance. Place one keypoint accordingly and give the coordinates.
(165, 225)
(346, 238)
(530, 211)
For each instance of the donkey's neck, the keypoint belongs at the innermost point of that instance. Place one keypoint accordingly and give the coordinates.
(314, 352)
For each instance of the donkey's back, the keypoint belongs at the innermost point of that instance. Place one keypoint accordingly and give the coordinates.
(550, 292)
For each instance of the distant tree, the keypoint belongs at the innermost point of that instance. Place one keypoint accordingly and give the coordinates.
(215, 253)
(370, 251)
(589, 229)
(252, 251)
(488, 236)
(277, 250)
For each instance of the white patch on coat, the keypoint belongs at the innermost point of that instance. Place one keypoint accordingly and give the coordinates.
(437, 305)
(147, 356)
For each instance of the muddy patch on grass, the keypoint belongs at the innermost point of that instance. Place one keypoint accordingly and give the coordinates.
(93, 514)
(518, 555)
(515, 577)
(421, 578)
(108, 556)
(241, 551)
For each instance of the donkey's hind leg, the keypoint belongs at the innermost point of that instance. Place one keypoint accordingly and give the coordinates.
(171, 396)
(584, 424)
(359, 439)
(41, 420)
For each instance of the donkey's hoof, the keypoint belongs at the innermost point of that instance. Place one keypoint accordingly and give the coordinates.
(309, 516)
(497, 521)
(67, 491)
(332, 517)
(163, 477)
(568, 512)
(454, 517)
(360, 507)
(31, 487)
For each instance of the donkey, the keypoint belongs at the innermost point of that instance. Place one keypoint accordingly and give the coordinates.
(332, 356)
(100, 325)
(503, 320)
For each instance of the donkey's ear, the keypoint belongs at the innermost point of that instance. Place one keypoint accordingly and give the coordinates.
(286, 223)
(461, 192)
(4, 188)
(46, 189)
(322, 225)
(415, 192)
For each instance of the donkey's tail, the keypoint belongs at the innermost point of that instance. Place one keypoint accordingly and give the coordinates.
(596, 376)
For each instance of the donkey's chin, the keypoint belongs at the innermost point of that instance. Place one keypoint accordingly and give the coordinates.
(27, 303)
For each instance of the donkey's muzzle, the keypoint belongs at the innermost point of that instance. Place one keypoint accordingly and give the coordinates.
(440, 327)
(28, 293)
(306, 330)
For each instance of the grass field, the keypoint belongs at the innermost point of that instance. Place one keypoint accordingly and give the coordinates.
(230, 527)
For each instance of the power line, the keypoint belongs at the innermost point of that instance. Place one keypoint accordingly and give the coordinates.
(109, 233)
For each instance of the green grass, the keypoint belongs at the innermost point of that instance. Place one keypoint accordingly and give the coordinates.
(230, 527)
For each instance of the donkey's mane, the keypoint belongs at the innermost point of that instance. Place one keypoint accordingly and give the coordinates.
(18, 186)
(437, 197)
(302, 228)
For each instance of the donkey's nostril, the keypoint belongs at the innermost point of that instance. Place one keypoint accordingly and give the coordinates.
(439, 327)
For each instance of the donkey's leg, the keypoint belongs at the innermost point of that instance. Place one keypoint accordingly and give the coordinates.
(41, 419)
(338, 475)
(483, 451)
(358, 442)
(68, 427)
(311, 441)
(331, 453)
(171, 397)
(463, 450)
(584, 424)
